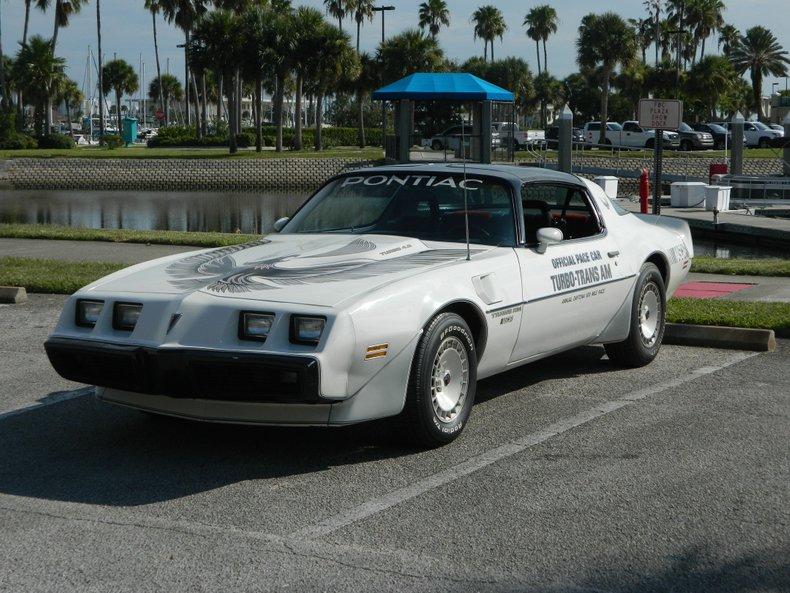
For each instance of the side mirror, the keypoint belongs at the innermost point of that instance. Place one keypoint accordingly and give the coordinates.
(280, 223)
(548, 236)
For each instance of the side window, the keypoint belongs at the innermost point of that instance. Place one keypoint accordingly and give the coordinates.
(631, 127)
(559, 206)
(593, 127)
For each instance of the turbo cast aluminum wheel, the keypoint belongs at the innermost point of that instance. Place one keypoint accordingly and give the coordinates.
(442, 385)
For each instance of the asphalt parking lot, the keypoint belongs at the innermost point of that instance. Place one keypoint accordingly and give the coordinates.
(571, 476)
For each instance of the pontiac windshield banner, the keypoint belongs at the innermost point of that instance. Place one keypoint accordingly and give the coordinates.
(469, 184)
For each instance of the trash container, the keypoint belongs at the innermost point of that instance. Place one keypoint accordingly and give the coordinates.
(687, 194)
(129, 130)
(717, 197)
(608, 184)
(717, 169)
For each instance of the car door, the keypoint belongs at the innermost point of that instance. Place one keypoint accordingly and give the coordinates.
(572, 291)
(632, 135)
(751, 133)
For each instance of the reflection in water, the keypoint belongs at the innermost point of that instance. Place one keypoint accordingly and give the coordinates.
(176, 211)
(733, 251)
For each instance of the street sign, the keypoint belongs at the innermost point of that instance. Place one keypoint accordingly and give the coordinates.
(660, 113)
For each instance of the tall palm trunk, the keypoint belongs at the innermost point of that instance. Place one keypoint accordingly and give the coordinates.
(485, 50)
(48, 115)
(702, 51)
(359, 27)
(319, 118)
(360, 118)
(492, 50)
(537, 51)
(158, 66)
(757, 85)
(232, 114)
(186, 80)
(203, 105)
(6, 100)
(58, 8)
(118, 110)
(607, 74)
(219, 78)
(278, 111)
(99, 67)
(258, 114)
(196, 101)
(545, 57)
(68, 118)
(298, 107)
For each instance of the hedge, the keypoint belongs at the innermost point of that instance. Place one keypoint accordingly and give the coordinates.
(18, 142)
(55, 141)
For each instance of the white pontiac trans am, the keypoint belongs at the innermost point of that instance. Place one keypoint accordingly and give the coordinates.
(369, 302)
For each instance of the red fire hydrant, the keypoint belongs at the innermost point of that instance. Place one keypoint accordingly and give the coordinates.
(644, 191)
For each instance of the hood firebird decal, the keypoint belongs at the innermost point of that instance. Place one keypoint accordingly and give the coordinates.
(218, 270)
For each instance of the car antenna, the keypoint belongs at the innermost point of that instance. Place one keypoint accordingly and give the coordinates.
(466, 201)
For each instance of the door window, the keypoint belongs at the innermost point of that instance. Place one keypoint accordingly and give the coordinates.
(559, 206)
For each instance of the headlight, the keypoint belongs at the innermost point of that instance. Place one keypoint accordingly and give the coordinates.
(306, 330)
(88, 312)
(125, 316)
(255, 326)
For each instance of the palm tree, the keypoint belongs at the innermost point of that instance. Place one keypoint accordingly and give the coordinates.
(185, 13)
(64, 9)
(165, 88)
(119, 76)
(543, 22)
(307, 39)
(433, 14)
(70, 95)
(366, 82)
(605, 40)
(154, 6)
(489, 24)
(533, 33)
(710, 79)
(729, 38)
(759, 52)
(39, 72)
(339, 9)
(408, 52)
(548, 91)
(513, 74)
(282, 41)
(645, 32)
(42, 5)
(257, 59)
(363, 11)
(707, 18)
(335, 62)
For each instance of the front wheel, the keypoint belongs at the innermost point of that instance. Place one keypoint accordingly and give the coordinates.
(764, 143)
(442, 385)
(686, 146)
(648, 319)
(436, 145)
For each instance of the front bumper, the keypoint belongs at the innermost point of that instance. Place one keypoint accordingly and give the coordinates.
(222, 376)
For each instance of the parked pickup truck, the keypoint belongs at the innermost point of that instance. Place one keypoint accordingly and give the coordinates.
(521, 138)
(628, 135)
(757, 134)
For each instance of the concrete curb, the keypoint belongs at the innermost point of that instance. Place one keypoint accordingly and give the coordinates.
(12, 294)
(710, 336)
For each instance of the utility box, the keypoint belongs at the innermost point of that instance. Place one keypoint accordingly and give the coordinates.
(129, 130)
(687, 194)
(717, 197)
(608, 184)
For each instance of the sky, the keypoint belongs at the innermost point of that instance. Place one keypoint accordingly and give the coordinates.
(126, 28)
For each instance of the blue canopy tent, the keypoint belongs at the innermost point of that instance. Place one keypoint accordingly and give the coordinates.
(454, 87)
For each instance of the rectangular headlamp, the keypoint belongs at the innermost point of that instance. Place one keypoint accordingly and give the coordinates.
(125, 316)
(255, 326)
(88, 312)
(307, 329)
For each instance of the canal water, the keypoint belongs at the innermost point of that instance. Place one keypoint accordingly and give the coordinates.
(211, 211)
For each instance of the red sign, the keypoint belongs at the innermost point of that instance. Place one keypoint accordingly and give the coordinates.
(160, 115)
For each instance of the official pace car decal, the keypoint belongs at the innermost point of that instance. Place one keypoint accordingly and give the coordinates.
(589, 274)
(218, 271)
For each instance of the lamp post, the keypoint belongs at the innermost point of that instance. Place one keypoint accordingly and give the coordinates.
(383, 10)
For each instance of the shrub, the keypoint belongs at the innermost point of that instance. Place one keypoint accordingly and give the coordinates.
(18, 142)
(111, 141)
(55, 141)
(182, 139)
(331, 137)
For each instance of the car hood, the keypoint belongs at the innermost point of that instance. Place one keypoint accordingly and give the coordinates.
(319, 270)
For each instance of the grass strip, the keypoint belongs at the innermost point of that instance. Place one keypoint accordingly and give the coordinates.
(775, 316)
(52, 276)
(741, 267)
(141, 152)
(197, 239)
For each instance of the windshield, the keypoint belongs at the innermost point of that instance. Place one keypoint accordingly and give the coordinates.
(428, 207)
(717, 128)
(761, 126)
(684, 127)
(614, 126)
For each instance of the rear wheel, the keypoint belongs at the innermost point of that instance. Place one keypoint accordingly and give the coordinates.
(436, 145)
(686, 145)
(764, 143)
(648, 318)
(442, 385)
(650, 143)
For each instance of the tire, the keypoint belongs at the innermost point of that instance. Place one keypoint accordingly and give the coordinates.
(764, 143)
(650, 143)
(436, 145)
(686, 146)
(435, 413)
(719, 145)
(648, 316)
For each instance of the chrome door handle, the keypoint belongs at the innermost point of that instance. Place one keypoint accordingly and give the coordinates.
(613, 253)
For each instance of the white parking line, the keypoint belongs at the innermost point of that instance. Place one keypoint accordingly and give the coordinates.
(55, 399)
(485, 459)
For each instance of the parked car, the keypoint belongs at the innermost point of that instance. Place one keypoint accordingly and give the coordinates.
(778, 127)
(691, 139)
(553, 134)
(757, 134)
(629, 135)
(450, 139)
(721, 136)
(370, 302)
(521, 138)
